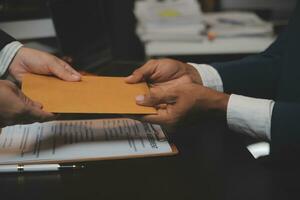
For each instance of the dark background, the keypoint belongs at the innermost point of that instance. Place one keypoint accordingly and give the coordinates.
(121, 22)
(29, 9)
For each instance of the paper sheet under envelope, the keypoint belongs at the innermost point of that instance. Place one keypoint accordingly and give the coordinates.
(93, 94)
(81, 140)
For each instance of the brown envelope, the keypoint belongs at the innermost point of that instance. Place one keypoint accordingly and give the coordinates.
(94, 94)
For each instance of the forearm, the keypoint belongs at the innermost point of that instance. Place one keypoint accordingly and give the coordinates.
(246, 115)
(212, 102)
(257, 75)
(254, 76)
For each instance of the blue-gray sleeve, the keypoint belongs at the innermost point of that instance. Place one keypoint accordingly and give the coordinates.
(256, 75)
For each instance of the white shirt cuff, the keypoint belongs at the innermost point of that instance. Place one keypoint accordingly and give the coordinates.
(210, 76)
(251, 116)
(7, 54)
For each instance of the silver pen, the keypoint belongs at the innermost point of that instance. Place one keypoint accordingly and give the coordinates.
(37, 168)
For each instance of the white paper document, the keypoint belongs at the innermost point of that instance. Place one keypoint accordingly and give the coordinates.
(169, 20)
(81, 140)
(237, 24)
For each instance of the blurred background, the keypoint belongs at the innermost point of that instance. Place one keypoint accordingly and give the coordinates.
(96, 34)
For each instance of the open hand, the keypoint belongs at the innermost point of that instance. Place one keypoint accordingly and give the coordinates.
(164, 70)
(175, 102)
(16, 108)
(33, 61)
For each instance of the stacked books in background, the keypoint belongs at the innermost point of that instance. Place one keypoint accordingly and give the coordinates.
(169, 20)
(183, 21)
(236, 24)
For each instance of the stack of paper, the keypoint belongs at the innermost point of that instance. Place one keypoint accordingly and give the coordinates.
(237, 24)
(169, 20)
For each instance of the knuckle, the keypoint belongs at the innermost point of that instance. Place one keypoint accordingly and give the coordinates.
(166, 60)
(137, 71)
(65, 66)
(56, 60)
(152, 61)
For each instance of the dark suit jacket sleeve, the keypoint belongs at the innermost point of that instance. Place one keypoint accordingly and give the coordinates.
(256, 75)
(5, 39)
(285, 129)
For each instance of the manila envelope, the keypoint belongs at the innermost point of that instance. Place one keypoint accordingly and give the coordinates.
(93, 94)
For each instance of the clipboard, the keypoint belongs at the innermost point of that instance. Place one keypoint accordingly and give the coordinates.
(89, 151)
(174, 152)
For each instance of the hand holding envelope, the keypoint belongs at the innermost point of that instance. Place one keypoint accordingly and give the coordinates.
(93, 94)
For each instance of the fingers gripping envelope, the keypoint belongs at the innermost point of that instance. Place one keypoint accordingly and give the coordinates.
(93, 94)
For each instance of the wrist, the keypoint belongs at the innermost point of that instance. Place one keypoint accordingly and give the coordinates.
(193, 74)
(213, 102)
(221, 102)
(16, 64)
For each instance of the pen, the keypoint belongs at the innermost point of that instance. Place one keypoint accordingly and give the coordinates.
(37, 168)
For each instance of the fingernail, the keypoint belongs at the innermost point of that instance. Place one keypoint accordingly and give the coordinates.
(76, 76)
(77, 73)
(140, 98)
(129, 77)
